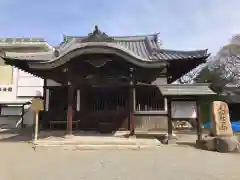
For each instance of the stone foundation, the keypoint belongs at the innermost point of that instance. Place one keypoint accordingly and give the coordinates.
(220, 143)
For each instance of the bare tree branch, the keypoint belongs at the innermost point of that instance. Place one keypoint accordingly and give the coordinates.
(190, 77)
(222, 69)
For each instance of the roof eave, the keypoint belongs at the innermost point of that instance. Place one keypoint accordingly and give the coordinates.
(183, 55)
(44, 45)
(186, 89)
(63, 56)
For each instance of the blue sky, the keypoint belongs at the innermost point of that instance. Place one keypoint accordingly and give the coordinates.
(183, 24)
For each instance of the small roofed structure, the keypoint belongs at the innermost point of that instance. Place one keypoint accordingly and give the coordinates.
(179, 93)
(100, 80)
(200, 89)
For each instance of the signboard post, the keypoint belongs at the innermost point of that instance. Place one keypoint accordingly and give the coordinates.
(36, 125)
(37, 105)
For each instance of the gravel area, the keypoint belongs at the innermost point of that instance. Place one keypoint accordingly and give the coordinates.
(170, 162)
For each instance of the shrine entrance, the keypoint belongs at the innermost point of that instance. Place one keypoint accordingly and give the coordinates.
(102, 109)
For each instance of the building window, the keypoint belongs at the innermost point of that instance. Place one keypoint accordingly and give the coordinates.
(149, 100)
(6, 74)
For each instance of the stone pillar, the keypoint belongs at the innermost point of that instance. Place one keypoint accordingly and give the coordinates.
(220, 122)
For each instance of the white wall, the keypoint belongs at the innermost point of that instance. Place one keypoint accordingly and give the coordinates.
(24, 87)
(28, 85)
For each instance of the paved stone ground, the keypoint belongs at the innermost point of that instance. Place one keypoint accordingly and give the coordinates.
(170, 162)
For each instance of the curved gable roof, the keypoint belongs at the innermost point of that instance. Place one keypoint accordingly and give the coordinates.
(144, 50)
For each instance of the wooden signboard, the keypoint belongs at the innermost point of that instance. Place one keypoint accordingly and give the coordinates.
(37, 105)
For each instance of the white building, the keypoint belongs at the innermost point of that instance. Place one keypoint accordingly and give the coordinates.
(18, 87)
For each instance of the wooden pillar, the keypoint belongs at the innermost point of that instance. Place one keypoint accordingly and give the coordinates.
(70, 108)
(44, 93)
(43, 116)
(169, 108)
(198, 118)
(22, 116)
(47, 100)
(78, 105)
(131, 118)
(131, 105)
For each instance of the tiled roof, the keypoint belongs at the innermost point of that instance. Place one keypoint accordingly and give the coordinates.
(20, 40)
(186, 89)
(146, 46)
(143, 48)
(7, 43)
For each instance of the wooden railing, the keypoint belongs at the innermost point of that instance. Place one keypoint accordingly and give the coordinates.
(115, 100)
(149, 99)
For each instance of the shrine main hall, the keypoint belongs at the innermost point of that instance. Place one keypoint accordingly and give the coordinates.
(109, 83)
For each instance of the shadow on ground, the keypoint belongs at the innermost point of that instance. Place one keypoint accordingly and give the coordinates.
(15, 135)
(26, 134)
(191, 144)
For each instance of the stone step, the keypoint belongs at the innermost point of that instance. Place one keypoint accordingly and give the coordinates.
(94, 147)
(98, 142)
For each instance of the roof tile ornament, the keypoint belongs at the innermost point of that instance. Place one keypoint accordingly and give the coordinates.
(66, 38)
(97, 36)
(56, 53)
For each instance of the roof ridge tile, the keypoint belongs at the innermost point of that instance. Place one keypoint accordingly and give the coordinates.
(21, 39)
